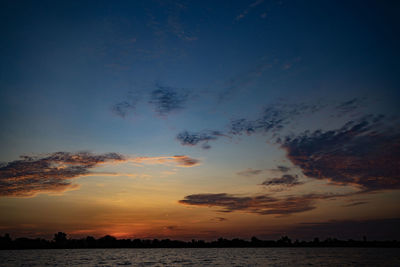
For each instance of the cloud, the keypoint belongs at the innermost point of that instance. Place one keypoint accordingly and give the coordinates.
(194, 138)
(348, 106)
(124, 108)
(362, 153)
(167, 99)
(175, 25)
(172, 227)
(185, 161)
(355, 204)
(218, 219)
(180, 160)
(249, 172)
(164, 99)
(49, 173)
(283, 168)
(242, 81)
(248, 9)
(273, 118)
(285, 180)
(261, 204)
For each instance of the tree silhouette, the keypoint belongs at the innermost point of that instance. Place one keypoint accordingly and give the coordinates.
(60, 239)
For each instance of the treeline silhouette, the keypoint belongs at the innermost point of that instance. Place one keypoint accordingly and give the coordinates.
(60, 240)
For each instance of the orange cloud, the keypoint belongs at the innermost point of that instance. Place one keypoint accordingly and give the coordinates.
(53, 172)
(180, 160)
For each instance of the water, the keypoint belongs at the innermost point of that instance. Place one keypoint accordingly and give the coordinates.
(204, 257)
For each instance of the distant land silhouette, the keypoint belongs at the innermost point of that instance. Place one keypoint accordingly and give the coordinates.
(60, 240)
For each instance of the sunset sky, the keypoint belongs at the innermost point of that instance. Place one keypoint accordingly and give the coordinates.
(200, 119)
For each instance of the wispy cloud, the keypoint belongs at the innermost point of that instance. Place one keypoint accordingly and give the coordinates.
(362, 153)
(180, 160)
(249, 172)
(163, 99)
(260, 204)
(51, 173)
(283, 168)
(242, 81)
(194, 138)
(122, 109)
(171, 23)
(220, 219)
(277, 120)
(286, 180)
(348, 106)
(54, 172)
(248, 9)
(167, 99)
(273, 119)
(252, 172)
(356, 204)
(125, 107)
(176, 26)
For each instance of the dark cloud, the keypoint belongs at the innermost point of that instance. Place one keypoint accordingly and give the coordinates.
(50, 173)
(54, 172)
(249, 172)
(348, 106)
(379, 229)
(283, 168)
(273, 119)
(285, 180)
(123, 108)
(194, 138)
(363, 153)
(172, 227)
(167, 99)
(185, 161)
(218, 219)
(261, 204)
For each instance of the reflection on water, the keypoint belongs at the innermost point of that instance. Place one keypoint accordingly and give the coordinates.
(204, 257)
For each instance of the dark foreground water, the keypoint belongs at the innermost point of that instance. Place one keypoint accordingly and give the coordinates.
(204, 257)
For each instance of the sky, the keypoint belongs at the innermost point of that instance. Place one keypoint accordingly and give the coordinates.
(200, 119)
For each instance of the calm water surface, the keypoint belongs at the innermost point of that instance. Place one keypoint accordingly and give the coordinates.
(204, 257)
